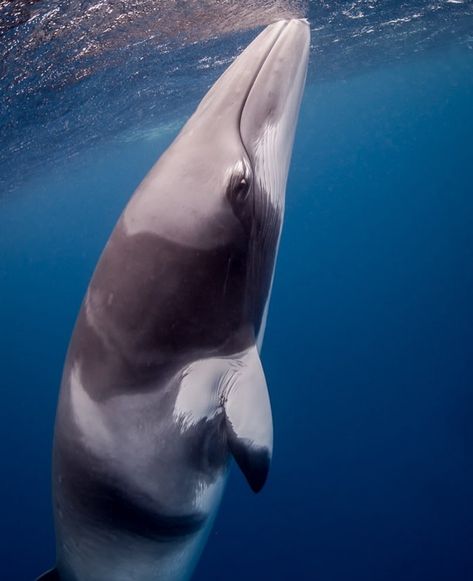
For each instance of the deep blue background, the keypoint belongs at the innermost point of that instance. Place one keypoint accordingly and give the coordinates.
(368, 350)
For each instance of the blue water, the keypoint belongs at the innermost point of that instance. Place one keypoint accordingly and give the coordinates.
(368, 350)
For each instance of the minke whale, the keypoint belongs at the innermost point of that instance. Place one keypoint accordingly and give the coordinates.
(163, 382)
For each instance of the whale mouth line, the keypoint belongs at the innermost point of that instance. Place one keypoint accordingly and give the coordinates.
(255, 77)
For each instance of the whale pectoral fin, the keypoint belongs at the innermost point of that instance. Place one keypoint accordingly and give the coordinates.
(51, 575)
(248, 418)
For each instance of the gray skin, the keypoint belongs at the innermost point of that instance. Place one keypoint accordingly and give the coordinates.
(162, 382)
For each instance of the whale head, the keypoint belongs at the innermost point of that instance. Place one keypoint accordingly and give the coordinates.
(220, 187)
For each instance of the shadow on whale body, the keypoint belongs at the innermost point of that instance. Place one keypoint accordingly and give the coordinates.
(163, 382)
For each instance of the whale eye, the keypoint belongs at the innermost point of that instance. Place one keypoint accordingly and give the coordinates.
(239, 185)
(242, 189)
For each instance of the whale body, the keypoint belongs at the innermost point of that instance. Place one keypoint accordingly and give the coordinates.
(163, 382)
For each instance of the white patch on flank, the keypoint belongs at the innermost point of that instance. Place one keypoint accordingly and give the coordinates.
(90, 306)
(87, 415)
(94, 303)
(124, 432)
(88, 309)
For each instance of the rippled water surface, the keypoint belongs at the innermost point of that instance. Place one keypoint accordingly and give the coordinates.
(76, 72)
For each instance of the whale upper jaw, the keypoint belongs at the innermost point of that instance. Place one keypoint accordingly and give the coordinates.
(246, 120)
(258, 98)
(269, 115)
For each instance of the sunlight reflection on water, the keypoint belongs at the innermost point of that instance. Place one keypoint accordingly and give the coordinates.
(74, 73)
